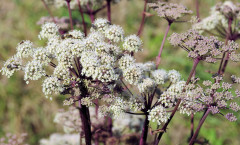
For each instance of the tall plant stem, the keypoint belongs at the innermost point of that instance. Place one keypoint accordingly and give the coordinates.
(164, 128)
(109, 10)
(229, 35)
(192, 125)
(148, 104)
(82, 16)
(144, 134)
(197, 10)
(143, 18)
(70, 13)
(158, 59)
(49, 11)
(83, 111)
(91, 13)
(198, 128)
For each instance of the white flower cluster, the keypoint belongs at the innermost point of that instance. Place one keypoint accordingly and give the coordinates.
(114, 33)
(33, 71)
(158, 114)
(160, 76)
(25, 49)
(99, 63)
(51, 85)
(11, 65)
(147, 85)
(170, 96)
(74, 57)
(133, 74)
(132, 43)
(49, 30)
(218, 18)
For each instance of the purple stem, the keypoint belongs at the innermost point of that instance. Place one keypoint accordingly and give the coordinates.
(83, 20)
(90, 13)
(192, 125)
(197, 9)
(143, 19)
(143, 139)
(109, 10)
(229, 34)
(70, 13)
(158, 59)
(198, 128)
(84, 115)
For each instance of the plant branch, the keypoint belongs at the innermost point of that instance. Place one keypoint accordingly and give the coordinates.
(197, 10)
(198, 128)
(143, 18)
(91, 13)
(109, 10)
(82, 16)
(158, 59)
(229, 35)
(70, 13)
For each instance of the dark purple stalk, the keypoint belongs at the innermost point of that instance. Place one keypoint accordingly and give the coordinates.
(143, 19)
(84, 115)
(110, 125)
(198, 128)
(109, 10)
(164, 128)
(148, 104)
(143, 139)
(70, 13)
(229, 35)
(91, 14)
(192, 125)
(83, 20)
(158, 59)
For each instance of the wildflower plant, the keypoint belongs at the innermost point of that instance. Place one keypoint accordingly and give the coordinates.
(103, 82)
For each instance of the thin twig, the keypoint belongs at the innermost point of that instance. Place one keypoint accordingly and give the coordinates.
(70, 13)
(109, 10)
(198, 128)
(143, 18)
(158, 59)
(82, 16)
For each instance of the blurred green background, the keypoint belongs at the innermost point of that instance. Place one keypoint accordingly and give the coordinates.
(23, 108)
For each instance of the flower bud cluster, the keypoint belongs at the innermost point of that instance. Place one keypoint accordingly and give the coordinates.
(219, 17)
(158, 114)
(215, 96)
(169, 11)
(203, 48)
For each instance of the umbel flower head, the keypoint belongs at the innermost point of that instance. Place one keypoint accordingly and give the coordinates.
(221, 15)
(215, 96)
(75, 59)
(203, 48)
(169, 11)
(97, 67)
